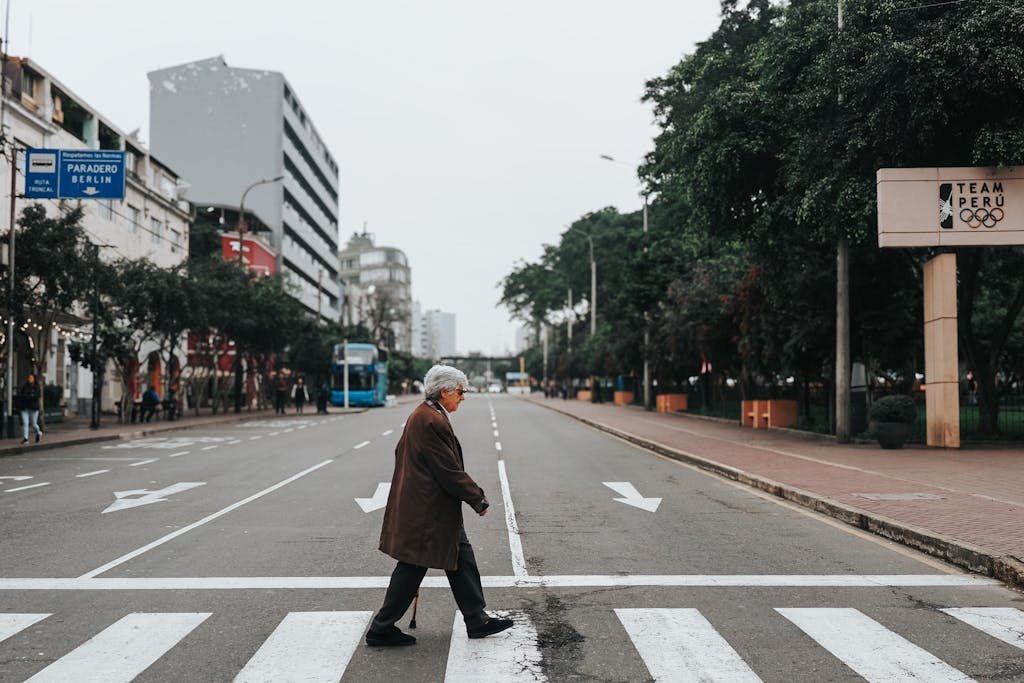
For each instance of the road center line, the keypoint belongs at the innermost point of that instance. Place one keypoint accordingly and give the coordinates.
(387, 433)
(175, 455)
(174, 534)
(254, 438)
(208, 448)
(515, 544)
(25, 488)
(89, 474)
(143, 462)
(360, 445)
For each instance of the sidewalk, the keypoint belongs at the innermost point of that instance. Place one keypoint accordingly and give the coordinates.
(965, 506)
(74, 430)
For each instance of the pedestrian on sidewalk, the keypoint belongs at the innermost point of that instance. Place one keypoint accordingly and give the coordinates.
(280, 395)
(150, 400)
(299, 395)
(323, 397)
(423, 525)
(28, 404)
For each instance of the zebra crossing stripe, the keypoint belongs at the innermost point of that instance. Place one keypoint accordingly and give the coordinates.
(123, 650)
(682, 645)
(15, 623)
(1004, 623)
(311, 647)
(510, 656)
(867, 647)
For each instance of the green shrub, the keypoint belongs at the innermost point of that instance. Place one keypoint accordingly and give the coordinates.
(895, 408)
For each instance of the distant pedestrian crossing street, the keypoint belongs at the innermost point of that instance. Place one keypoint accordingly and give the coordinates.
(678, 644)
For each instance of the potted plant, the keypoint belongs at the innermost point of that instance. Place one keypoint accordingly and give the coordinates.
(891, 418)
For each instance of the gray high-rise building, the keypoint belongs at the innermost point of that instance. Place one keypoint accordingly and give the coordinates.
(225, 128)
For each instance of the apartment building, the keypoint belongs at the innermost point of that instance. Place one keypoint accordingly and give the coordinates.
(228, 128)
(433, 332)
(378, 288)
(152, 221)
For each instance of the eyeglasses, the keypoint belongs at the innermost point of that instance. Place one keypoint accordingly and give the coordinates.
(460, 392)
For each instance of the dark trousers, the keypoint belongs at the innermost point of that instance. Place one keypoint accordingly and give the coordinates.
(464, 582)
(280, 398)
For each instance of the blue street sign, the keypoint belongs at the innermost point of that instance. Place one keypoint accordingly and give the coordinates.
(74, 174)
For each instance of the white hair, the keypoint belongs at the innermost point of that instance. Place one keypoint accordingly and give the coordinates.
(443, 377)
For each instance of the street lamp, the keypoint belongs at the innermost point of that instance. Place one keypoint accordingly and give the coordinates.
(647, 330)
(593, 281)
(241, 211)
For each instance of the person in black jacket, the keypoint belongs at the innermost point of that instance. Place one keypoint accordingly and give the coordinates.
(28, 403)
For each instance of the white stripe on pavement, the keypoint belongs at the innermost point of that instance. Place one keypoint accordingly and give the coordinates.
(682, 645)
(234, 441)
(90, 474)
(510, 656)
(497, 446)
(514, 542)
(387, 433)
(143, 462)
(123, 650)
(175, 455)
(15, 623)
(208, 448)
(867, 647)
(88, 583)
(255, 438)
(30, 486)
(1004, 623)
(313, 647)
(174, 534)
(360, 445)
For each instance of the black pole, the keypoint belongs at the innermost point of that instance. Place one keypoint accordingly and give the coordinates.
(97, 370)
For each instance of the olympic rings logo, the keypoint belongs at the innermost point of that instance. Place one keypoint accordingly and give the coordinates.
(975, 218)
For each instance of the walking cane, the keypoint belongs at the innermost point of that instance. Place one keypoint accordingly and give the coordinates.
(415, 604)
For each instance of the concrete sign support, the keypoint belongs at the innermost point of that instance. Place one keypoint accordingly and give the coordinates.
(941, 352)
(947, 207)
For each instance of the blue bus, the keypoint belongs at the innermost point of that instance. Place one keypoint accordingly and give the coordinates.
(367, 375)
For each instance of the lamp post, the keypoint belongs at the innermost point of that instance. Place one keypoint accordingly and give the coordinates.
(241, 211)
(647, 328)
(241, 262)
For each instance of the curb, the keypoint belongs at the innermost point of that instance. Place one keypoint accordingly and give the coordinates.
(177, 425)
(1005, 568)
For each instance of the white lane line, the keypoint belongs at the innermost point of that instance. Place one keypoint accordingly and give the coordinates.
(302, 426)
(234, 441)
(497, 446)
(682, 645)
(290, 429)
(515, 544)
(255, 438)
(867, 647)
(90, 474)
(26, 488)
(273, 433)
(360, 445)
(16, 623)
(552, 581)
(510, 656)
(208, 448)
(314, 647)
(174, 534)
(143, 462)
(175, 455)
(1004, 623)
(388, 432)
(123, 650)
(496, 434)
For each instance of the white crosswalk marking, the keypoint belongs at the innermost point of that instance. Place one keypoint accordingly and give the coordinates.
(15, 623)
(867, 647)
(511, 655)
(1004, 623)
(122, 651)
(307, 646)
(681, 645)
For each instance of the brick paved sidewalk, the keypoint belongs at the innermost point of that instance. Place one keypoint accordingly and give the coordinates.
(966, 506)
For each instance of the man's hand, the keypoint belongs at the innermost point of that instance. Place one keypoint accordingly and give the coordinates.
(483, 512)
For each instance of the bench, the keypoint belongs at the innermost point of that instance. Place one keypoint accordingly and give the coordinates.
(768, 413)
(670, 403)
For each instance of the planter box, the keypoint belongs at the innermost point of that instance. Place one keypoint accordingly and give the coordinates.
(623, 398)
(891, 434)
(669, 403)
(584, 395)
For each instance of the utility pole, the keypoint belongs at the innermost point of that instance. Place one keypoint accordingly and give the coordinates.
(9, 375)
(568, 321)
(647, 332)
(842, 312)
(344, 370)
(97, 366)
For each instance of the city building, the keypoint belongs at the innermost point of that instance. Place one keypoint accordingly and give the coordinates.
(433, 333)
(378, 290)
(152, 221)
(228, 129)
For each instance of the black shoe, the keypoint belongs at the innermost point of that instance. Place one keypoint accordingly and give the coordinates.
(393, 637)
(25, 440)
(489, 628)
(39, 435)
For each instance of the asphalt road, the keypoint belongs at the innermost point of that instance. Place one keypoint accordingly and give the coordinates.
(245, 551)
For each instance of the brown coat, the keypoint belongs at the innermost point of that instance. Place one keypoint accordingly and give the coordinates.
(424, 513)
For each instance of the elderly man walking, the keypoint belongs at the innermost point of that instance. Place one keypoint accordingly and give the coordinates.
(423, 519)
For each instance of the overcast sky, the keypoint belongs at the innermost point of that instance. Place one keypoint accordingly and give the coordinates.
(468, 132)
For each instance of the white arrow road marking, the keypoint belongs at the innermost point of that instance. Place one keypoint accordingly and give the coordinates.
(137, 497)
(17, 478)
(379, 500)
(631, 496)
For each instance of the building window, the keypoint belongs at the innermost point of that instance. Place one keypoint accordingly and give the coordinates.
(106, 209)
(156, 229)
(133, 218)
(175, 241)
(370, 258)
